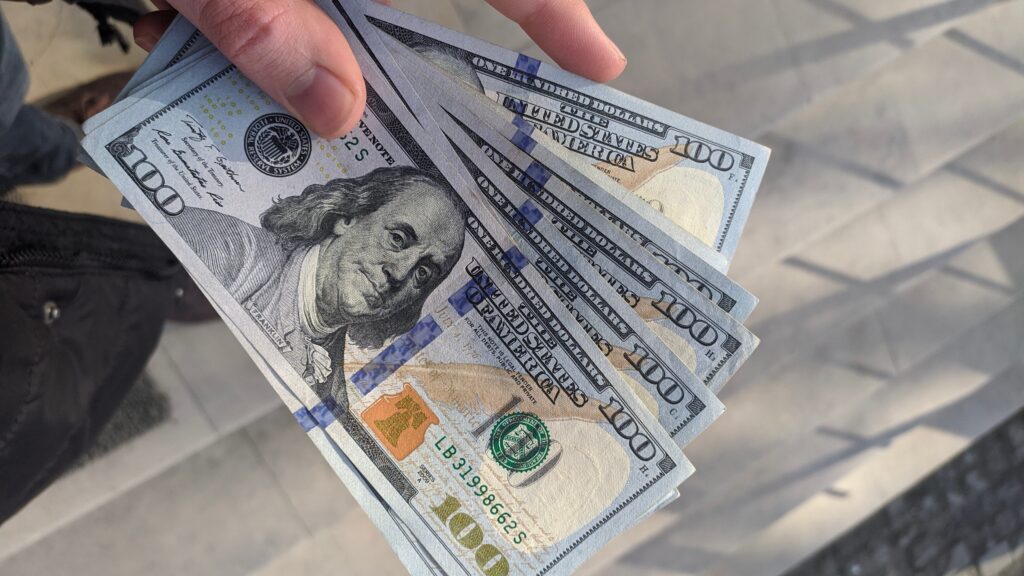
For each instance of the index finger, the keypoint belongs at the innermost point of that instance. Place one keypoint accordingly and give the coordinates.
(567, 31)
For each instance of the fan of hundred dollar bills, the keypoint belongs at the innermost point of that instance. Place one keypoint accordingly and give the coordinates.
(498, 307)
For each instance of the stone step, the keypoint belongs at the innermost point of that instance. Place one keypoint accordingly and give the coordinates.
(900, 450)
(884, 343)
(353, 545)
(859, 265)
(231, 508)
(743, 66)
(778, 443)
(810, 190)
(919, 420)
(807, 195)
(928, 106)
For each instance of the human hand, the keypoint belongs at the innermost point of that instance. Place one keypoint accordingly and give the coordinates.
(297, 55)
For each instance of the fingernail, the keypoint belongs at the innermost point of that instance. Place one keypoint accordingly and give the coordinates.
(145, 41)
(322, 101)
(618, 51)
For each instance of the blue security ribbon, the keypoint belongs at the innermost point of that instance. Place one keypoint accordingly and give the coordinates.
(324, 412)
(305, 419)
(523, 124)
(530, 211)
(523, 141)
(396, 354)
(538, 173)
(527, 64)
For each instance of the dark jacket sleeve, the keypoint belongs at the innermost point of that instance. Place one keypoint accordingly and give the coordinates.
(82, 303)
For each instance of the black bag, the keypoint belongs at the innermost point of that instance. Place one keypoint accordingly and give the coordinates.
(83, 300)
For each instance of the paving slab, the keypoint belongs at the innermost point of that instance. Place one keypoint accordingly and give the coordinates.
(228, 386)
(691, 72)
(916, 420)
(313, 489)
(833, 42)
(808, 296)
(743, 66)
(789, 401)
(909, 326)
(352, 546)
(930, 315)
(804, 196)
(928, 106)
(996, 163)
(80, 491)
(220, 513)
(945, 211)
(481, 20)
(859, 264)
(807, 195)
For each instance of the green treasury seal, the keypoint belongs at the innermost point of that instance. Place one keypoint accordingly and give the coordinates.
(519, 441)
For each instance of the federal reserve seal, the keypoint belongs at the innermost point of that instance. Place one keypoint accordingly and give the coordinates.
(519, 441)
(277, 145)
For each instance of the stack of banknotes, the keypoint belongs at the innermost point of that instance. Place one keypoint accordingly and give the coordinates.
(499, 306)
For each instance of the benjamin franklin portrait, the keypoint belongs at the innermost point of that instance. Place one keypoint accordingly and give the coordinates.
(354, 258)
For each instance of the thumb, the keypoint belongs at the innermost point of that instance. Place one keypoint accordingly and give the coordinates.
(290, 49)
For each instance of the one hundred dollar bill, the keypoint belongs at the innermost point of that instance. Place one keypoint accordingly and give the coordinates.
(698, 177)
(633, 216)
(663, 381)
(177, 43)
(706, 339)
(625, 212)
(712, 345)
(409, 550)
(451, 378)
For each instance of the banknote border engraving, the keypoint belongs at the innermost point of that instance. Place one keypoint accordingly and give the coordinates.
(183, 51)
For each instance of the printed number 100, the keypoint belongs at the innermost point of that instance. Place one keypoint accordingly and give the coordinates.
(468, 533)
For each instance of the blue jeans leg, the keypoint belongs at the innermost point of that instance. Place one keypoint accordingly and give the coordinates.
(35, 146)
(36, 149)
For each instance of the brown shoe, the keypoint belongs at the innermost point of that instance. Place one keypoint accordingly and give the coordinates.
(190, 303)
(80, 103)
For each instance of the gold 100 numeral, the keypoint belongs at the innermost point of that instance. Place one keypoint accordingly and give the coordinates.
(468, 533)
